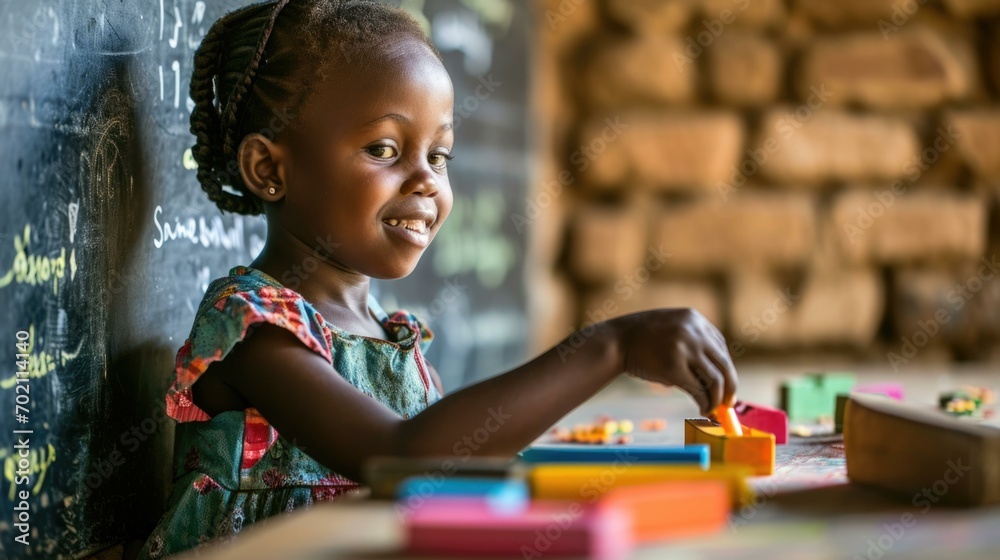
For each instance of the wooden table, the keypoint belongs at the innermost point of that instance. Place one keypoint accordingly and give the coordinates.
(806, 510)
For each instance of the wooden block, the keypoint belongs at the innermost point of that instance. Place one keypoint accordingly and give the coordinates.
(385, 474)
(814, 396)
(632, 454)
(503, 494)
(590, 482)
(923, 455)
(754, 448)
(765, 419)
(673, 509)
(463, 528)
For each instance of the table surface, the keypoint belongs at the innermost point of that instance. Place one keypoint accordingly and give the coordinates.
(807, 509)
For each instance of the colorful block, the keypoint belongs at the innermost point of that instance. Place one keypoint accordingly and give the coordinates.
(765, 419)
(463, 528)
(754, 448)
(665, 510)
(591, 481)
(385, 474)
(838, 417)
(630, 454)
(506, 495)
(726, 417)
(809, 398)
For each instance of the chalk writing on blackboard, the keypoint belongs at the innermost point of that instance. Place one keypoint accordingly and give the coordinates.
(33, 270)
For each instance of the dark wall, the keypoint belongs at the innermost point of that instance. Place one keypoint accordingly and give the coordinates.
(107, 244)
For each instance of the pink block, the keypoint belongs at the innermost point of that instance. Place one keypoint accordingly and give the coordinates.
(891, 390)
(443, 526)
(765, 419)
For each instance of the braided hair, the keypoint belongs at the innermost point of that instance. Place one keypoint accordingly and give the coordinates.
(254, 70)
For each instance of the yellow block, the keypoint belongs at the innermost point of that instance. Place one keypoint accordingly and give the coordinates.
(589, 481)
(754, 448)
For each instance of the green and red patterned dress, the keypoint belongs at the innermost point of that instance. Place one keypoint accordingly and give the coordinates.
(234, 469)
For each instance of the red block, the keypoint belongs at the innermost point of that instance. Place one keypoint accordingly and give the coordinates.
(765, 419)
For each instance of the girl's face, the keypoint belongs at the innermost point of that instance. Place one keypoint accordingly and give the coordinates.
(367, 164)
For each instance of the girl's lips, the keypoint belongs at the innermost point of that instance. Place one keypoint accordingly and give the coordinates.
(419, 238)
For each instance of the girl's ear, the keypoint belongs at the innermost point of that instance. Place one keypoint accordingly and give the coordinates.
(262, 167)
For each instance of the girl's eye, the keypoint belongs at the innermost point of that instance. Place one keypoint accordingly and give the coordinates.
(440, 160)
(382, 152)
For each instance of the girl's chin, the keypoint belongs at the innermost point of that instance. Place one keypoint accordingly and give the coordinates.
(397, 271)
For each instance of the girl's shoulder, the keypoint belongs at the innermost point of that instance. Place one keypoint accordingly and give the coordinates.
(252, 284)
(230, 308)
(247, 296)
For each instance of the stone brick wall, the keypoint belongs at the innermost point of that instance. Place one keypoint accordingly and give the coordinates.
(812, 175)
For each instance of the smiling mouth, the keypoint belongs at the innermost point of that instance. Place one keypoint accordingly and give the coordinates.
(418, 226)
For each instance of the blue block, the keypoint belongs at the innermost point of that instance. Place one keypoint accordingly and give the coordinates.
(510, 494)
(695, 454)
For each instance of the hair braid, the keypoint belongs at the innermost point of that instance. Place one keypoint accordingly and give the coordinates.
(205, 119)
(230, 117)
(214, 126)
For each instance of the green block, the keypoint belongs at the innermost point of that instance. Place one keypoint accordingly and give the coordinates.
(838, 416)
(808, 398)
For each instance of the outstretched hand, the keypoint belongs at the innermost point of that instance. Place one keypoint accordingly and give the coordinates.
(679, 347)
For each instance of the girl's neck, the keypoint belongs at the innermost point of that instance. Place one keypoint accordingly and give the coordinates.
(340, 295)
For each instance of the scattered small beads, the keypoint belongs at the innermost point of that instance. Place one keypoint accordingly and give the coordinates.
(605, 430)
(653, 425)
(966, 401)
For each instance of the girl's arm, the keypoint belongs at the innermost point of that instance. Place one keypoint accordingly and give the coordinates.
(327, 417)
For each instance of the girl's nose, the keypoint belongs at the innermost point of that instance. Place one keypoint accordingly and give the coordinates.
(421, 181)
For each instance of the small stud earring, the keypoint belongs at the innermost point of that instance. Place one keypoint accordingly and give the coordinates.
(270, 190)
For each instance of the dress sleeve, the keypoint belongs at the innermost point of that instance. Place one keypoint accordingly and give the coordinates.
(223, 321)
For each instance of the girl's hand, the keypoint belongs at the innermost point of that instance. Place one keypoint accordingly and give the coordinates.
(678, 347)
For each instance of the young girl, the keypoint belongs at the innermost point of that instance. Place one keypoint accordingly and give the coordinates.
(334, 119)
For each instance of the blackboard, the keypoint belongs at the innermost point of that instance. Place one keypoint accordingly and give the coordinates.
(107, 244)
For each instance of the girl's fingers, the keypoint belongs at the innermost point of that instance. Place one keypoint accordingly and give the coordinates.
(702, 388)
(724, 364)
(714, 332)
(697, 388)
(717, 351)
(712, 381)
(717, 334)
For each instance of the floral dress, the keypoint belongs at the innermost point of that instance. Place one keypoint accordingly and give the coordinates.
(234, 469)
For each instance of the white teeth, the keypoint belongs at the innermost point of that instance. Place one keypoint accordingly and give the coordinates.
(418, 226)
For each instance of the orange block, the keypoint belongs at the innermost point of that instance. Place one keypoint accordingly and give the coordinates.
(666, 510)
(726, 415)
(754, 448)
